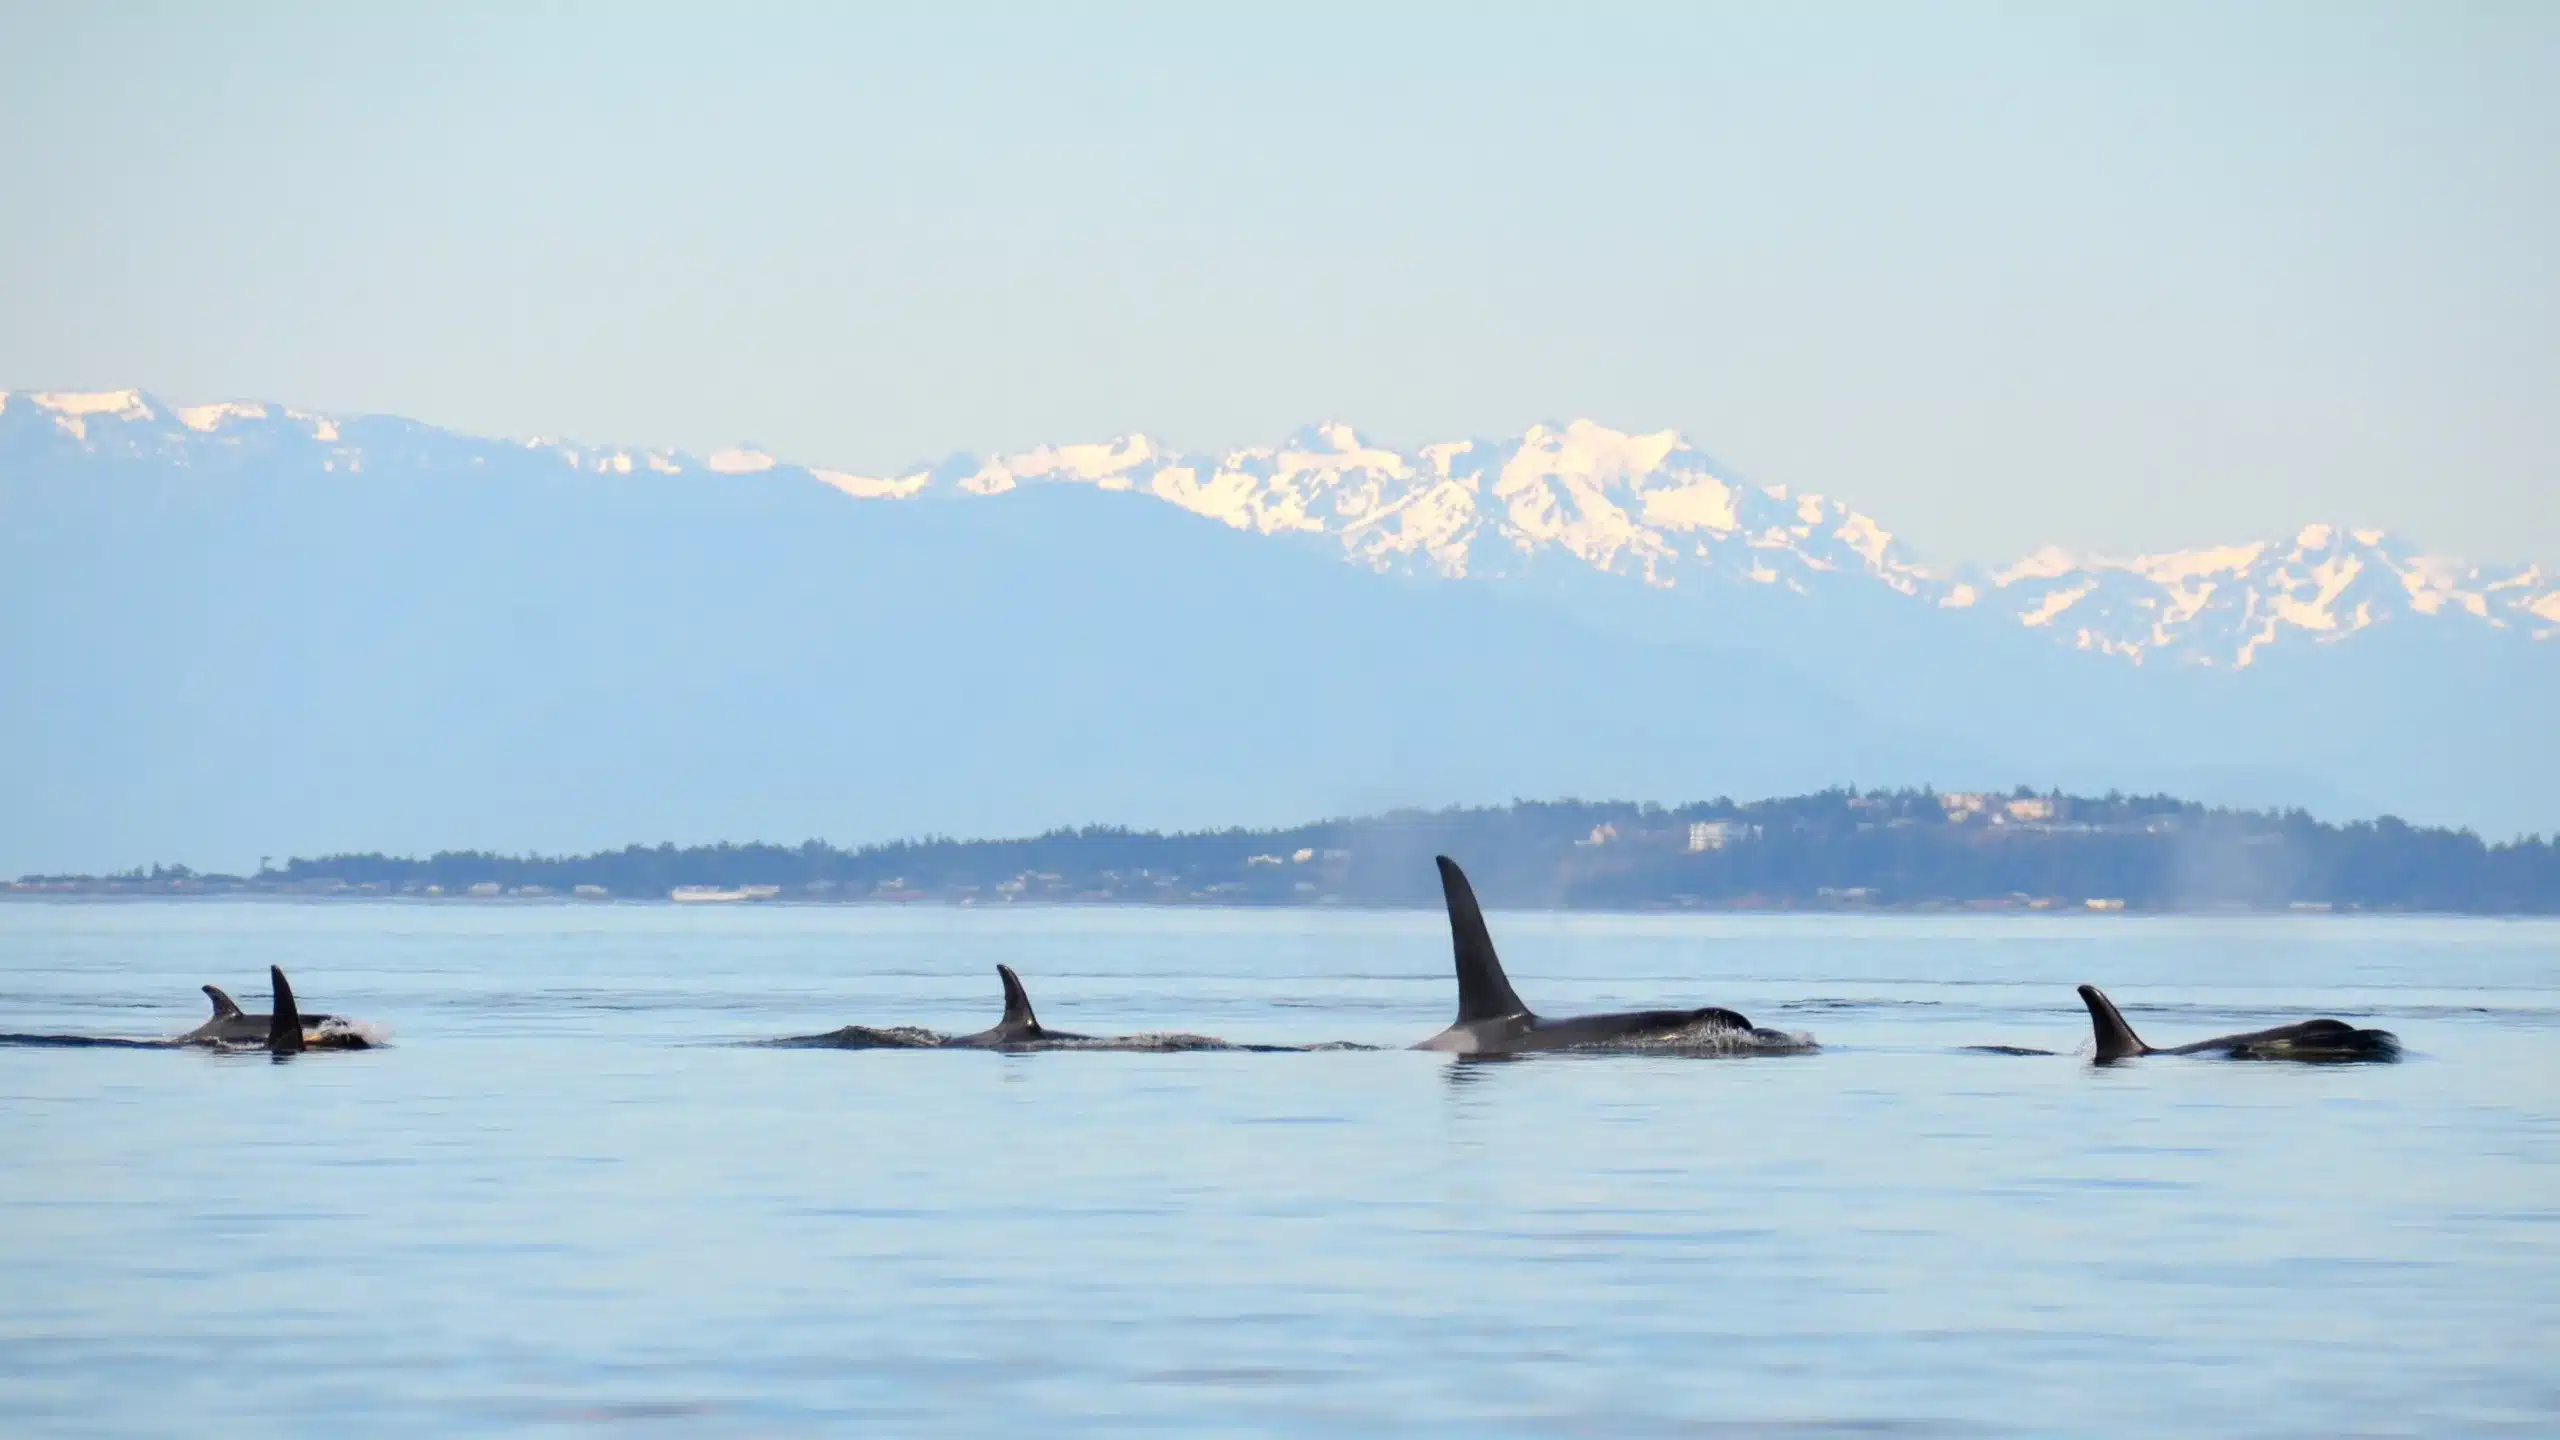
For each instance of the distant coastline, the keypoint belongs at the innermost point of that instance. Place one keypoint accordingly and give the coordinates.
(1907, 851)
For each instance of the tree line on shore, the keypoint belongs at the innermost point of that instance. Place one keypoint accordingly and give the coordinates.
(1834, 848)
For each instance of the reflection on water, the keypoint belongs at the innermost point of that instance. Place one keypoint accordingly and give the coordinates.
(564, 1196)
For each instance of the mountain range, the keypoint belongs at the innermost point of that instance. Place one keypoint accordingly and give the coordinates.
(1652, 508)
(241, 628)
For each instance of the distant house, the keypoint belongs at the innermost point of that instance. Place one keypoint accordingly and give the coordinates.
(1600, 835)
(1705, 835)
(716, 895)
(2031, 808)
(2106, 904)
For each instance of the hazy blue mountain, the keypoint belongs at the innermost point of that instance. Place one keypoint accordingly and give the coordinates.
(235, 631)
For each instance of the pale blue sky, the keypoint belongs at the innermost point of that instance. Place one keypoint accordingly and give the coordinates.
(2113, 276)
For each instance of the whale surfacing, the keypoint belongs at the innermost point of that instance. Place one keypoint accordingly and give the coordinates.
(1018, 1030)
(1492, 1020)
(284, 1030)
(2314, 1041)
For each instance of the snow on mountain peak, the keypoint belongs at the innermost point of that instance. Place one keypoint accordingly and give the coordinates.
(2222, 606)
(71, 409)
(1652, 508)
(124, 404)
(739, 461)
(205, 419)
(1648, 507)
(2048, 563)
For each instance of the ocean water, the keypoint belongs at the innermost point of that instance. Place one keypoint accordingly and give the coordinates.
(564, 1199)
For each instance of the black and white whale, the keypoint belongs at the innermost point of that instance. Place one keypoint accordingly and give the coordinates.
(284, 1030)
(2312, 1040)
(1493, 1021)
(1019, 1029)
(233, 1026)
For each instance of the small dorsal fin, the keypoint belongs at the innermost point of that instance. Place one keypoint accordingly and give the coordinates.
(1484, 992)
(224, 1007)
(1017, 1004)
(2116, 1039)
(284, 1028)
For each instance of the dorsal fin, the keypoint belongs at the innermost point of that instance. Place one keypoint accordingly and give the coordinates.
(2116, 1039)
(1484, 992)
(224, 1007)
(1018, 1018)
(284, 1028)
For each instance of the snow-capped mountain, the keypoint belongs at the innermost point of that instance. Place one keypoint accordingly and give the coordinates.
(241, 629)
(1650, 508)
(1655, 509)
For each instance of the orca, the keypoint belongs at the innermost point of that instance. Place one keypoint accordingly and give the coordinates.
(2317, 1041)
(284, 1030)
(1493, 1021)
(232, 1026)
(1018, 1030)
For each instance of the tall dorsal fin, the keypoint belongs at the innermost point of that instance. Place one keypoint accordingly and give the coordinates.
(284, 1028)
(1484, 992)
(1017, 1004)
(224, 1007)
(2116, 1039)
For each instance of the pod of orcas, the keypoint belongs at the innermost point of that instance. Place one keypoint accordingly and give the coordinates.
(1492, 1023)
(284, 1030)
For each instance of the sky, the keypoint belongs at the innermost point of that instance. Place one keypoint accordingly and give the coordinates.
(2115, 277)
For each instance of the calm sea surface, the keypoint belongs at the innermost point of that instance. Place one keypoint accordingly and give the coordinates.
(564, 1199)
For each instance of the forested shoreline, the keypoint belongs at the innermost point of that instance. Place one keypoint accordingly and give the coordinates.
(1835, 849)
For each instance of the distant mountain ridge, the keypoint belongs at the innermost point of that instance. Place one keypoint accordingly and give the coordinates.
(1649, 508)
(1655, 508)
(243, 629)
